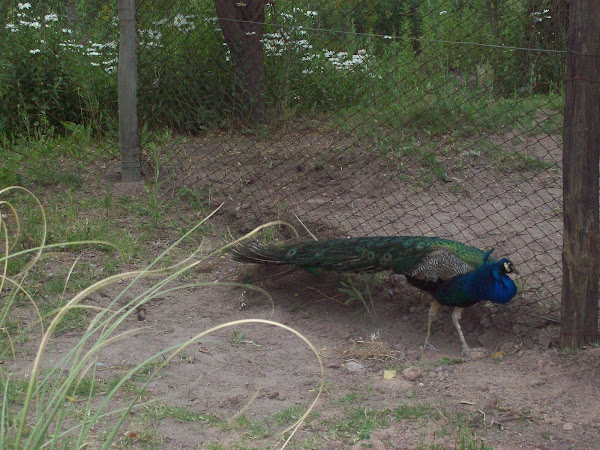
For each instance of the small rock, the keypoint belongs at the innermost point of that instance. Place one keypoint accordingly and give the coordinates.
(508, 347)
(477, 354)
(412, 373)
(439, 369)
(568, 426)
(405, 318)
(355, 367)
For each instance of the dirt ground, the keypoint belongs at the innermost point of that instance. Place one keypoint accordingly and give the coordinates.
(528, 394)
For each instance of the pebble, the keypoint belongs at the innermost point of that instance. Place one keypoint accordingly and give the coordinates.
(568, 426)
(412, 373)
(438, 369)
(355, 367)
(477, 354)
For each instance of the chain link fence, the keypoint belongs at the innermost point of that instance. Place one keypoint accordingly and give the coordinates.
(381, 117)
(58, 76)
(439, 118)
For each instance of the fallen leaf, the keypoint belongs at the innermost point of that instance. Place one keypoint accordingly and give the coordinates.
(497, 355)
(389, 374)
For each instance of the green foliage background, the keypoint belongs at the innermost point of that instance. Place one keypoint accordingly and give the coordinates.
(319, 56)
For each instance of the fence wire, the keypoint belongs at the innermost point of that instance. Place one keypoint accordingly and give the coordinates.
(430, 118)
(58, 75)
(360, 118)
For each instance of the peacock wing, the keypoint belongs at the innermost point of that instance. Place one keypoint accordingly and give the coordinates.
(439, 264)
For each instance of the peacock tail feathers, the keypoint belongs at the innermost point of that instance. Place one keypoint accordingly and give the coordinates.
(426, 258)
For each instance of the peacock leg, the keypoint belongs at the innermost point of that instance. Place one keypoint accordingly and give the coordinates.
(466, 350)
(433, 310)
(456, 315)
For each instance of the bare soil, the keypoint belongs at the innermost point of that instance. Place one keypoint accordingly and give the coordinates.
(527, 395)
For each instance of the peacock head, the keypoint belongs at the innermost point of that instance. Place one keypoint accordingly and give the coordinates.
(505, 288)
(506, 266)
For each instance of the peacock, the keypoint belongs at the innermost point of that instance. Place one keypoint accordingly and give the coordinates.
(456, 274)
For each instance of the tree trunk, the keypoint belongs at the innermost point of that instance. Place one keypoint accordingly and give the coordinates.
(243, 29)
(581, 254)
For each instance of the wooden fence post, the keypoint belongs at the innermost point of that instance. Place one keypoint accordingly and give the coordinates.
(581, 249)
(128, 122)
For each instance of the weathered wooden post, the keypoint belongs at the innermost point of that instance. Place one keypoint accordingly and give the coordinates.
(128, 123)
(581, 249)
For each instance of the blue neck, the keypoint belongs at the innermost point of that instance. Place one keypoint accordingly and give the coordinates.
(488, 282)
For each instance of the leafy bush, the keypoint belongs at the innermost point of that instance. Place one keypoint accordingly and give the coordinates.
(50, 76)
(58, 61)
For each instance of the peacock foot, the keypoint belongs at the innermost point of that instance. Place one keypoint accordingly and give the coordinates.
(428, 346)
(474, 352)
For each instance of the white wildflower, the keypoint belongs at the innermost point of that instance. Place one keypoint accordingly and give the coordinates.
(357, 59)
(250, 33)
(94, 64)
(67, 31)
(34, 51)
(92, 53)
(51, 17)
(154, 34)
(179, 20)
(35, 25)
(443, 12)
(24, 5)
(160, 22)
(311, 13)
(307, 72)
